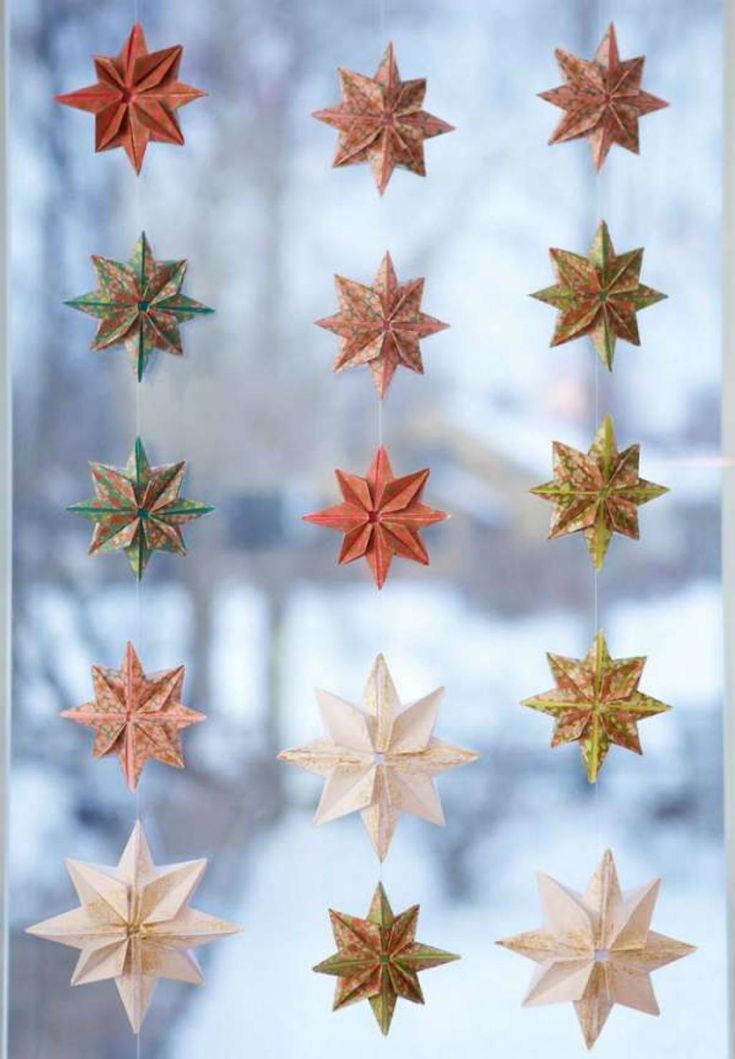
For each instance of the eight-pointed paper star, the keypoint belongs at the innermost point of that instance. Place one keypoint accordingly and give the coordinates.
(603, 99)
(136, 716)
(378, 958)
(380, 758)
(138, 509)
(598, 295)
(381, 516)
(380, 121)
(596, 950)
(597, 493)
(135, 98)
(596, 702)
(382, 325)
(139, 304)
(134, 924)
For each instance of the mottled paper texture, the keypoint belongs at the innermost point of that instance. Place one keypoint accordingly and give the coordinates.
(135, 98)
(380, 120)
(602, 99)
(378, 958)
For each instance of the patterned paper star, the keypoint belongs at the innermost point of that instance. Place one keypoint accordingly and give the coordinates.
(134, 924)
(380, 758)
(378, 958)
(381, 516)
(135, 98)
(135, 716)
(138, 509)
(598, 295)
(380, 121)
(382, 325)
(596, 949)
(603, 99)
(139, 305)
(596, 702)
(597, 494)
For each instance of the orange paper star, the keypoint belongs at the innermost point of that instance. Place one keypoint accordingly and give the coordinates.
(380, 121)
(135, 716)
(135, 98)
(382, 325)
(381, 516)
(603, 99)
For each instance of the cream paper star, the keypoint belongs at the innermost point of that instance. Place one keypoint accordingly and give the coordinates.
(134, 924)
(596, 949)
(380, 759)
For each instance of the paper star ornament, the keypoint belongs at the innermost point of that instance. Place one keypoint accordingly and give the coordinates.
(603, 99)
(139, 305)
(381, 516)
(380, 120)
(598, 295)
(138, 509)
(378, 958)
(382, 325)
(380, 758)
(596, 949)
(135, 98)
(596, 703)
(598, 493)
(139, 717)
(134, 924)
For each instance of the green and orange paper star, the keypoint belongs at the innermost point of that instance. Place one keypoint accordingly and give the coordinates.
(138, 509)
(378, 958)
(139, 305)
(596, 702)
(598, 295)
(597, 493)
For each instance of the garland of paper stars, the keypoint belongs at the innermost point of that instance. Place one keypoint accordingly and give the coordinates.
(380, 757)
(596, 948)
(134, 923)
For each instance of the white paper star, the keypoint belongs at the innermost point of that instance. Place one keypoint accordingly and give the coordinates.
(134, 924)
(380, 759)
(597, 949)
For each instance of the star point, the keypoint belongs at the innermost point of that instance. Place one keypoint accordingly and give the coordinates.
(380, 758)
(378, 958)
(380, 120)
(597, 493)
(135, 98)
(134, 924)
(596, 949)
(602, 99)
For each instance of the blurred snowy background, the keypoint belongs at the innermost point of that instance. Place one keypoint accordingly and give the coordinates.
(260, 613)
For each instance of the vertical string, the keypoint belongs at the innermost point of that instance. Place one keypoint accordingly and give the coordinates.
(596, 389)
(137, 384)
(382, 21)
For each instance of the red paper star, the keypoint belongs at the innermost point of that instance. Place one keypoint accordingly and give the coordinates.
(380, 121)
(135, 98)
(135, 716)
(381, 325)
(603, 99)
(381, 516)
